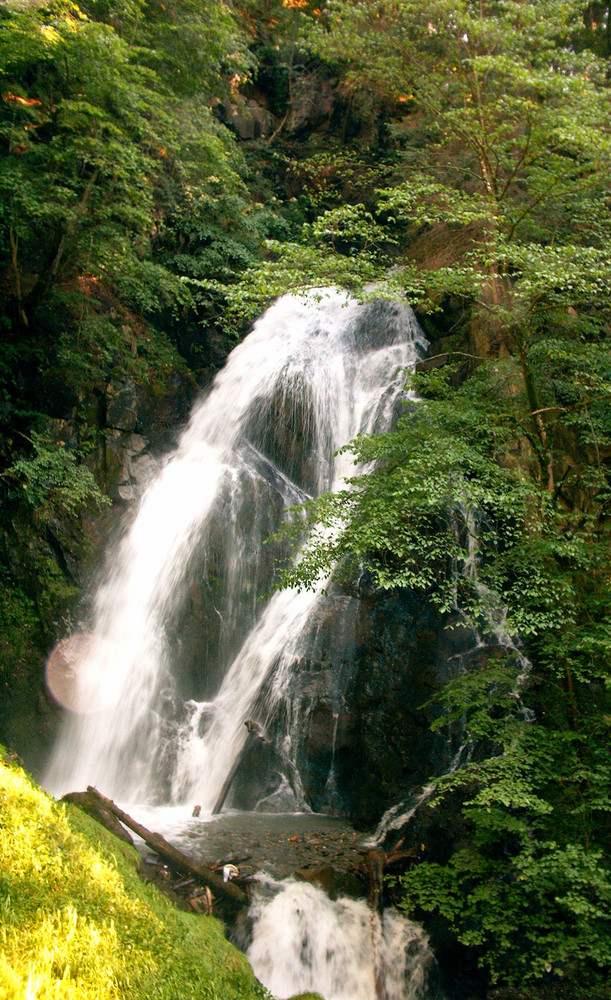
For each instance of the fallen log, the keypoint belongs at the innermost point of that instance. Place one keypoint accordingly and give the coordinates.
(231, 894)
(224, 792)
(94, 808)
(375, 866)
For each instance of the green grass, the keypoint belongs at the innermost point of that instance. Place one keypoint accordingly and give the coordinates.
(76, 921)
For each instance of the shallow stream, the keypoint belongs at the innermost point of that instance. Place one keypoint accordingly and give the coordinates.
(278, 844)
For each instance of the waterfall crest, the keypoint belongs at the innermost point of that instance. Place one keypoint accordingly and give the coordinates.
(162, 706)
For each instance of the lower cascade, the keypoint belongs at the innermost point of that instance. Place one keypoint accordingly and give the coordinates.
(304, 941)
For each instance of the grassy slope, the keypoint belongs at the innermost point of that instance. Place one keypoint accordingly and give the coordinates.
(76, 921)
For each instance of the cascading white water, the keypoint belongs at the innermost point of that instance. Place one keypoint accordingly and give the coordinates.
(303, 941)
(313, 373)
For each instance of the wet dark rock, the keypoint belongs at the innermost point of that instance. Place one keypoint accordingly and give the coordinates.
(438, 832)
(248, 118)
(162, 410)
(320, 875)
(128, 465)
(357, 707)
(361, 690)
(313, 103)
(405, 653)
(121, 405)
(328, 729)
(259, 776)
(379, 324)
(282, 428)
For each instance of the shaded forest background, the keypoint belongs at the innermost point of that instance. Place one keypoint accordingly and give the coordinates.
(170, 168)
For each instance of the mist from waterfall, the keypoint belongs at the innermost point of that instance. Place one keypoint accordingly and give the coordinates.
(156, 724)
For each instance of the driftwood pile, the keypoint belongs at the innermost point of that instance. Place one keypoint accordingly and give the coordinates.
(201, 885)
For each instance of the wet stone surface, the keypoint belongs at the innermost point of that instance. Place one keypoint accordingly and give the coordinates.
(319, 847)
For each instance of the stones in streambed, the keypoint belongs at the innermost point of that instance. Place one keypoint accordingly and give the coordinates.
(280, 845)
(346, 876)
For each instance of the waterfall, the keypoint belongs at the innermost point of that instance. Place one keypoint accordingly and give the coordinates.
(162, 701)
(303, 941)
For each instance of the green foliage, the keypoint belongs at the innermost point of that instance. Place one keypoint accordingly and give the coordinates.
(344, 246)
(294, 267)
(343, 176)
(76, 921)
(107, 136)
(19, 635)
(500, 155)
(411, 514)
(53, 481)
(543, 910)
(193, 45)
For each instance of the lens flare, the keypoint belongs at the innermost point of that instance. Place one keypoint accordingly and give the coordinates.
(62, 672)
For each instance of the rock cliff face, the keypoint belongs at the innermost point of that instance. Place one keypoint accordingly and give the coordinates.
(405, 653)
(137, 426)
(356, 714)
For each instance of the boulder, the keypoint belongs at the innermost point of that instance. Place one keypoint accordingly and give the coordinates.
(128, 466)
(247, 118)
(323, 876)
(313, 103)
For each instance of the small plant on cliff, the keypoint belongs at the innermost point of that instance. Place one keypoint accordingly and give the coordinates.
(54, 482)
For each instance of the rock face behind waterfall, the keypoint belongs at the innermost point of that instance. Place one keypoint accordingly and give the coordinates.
(405, 654)
(369, 665)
